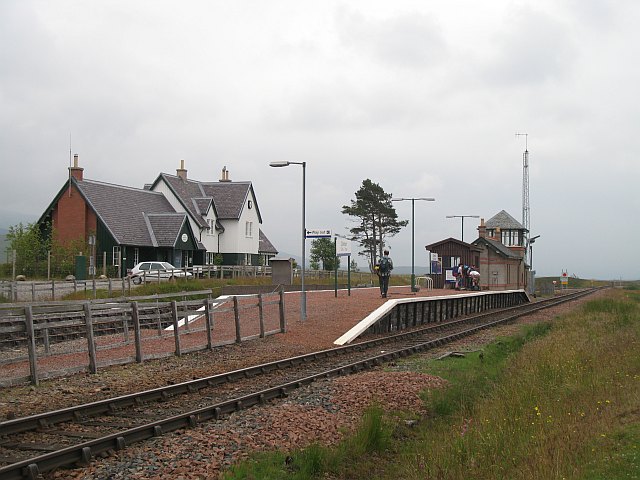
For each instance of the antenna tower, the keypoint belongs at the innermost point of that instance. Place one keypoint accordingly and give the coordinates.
(525, 193)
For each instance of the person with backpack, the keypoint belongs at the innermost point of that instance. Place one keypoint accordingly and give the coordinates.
(383, 269)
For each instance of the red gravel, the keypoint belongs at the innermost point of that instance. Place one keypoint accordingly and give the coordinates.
(319, 412)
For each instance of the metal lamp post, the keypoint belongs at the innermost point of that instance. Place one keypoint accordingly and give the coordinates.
(462, 217)
(531, 242)
(413, 228)
(303, 300)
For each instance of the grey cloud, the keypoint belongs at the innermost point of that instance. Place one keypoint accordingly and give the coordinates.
(536, 48)
(404, 41)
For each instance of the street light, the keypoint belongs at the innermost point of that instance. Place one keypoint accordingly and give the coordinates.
(531, 242)
(462, 217)
(303, 300)
(413, 228)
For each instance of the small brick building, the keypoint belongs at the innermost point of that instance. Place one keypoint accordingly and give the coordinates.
(501, 241)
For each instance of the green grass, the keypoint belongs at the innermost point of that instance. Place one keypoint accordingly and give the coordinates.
(559, 401)
(371, 438)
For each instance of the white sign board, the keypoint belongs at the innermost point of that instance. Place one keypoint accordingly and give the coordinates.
(318, 233)
(434, 257)
(343, 247)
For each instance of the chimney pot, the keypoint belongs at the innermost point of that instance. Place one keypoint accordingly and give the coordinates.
(182, 172)
(76, 171)
(225, 175)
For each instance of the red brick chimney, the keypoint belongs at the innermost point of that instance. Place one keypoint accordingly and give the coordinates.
(482, 229)
(76, 171)
(182, 172)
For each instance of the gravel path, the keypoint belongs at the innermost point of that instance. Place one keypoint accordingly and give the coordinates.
(321, 412)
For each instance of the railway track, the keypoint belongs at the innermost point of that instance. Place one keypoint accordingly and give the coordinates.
(39, 443)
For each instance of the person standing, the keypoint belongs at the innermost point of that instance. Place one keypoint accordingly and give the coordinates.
(384, 272)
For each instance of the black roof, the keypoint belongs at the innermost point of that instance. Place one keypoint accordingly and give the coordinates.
(124, 210)
(164, 228)
(265, 245)
(228, 198)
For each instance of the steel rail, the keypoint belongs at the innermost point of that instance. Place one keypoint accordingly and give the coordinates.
(82, 453)
(106, 406)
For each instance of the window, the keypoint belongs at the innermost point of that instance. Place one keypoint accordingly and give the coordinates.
(116, 256)
(247, 259)
(249, 204)
(211, 256)
(248, 229)
(511, 238)
(211, 226)
(136, 256)
(455, 261)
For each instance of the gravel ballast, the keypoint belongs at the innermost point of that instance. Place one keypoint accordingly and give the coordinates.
(321, 412)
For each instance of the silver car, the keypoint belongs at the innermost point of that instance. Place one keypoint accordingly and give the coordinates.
(155, 270)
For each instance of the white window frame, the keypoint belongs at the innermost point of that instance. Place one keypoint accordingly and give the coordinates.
(248, 229)
(211, 226)
(136, 256)
(116, 255)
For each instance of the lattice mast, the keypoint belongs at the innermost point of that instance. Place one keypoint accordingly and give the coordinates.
(525, 195)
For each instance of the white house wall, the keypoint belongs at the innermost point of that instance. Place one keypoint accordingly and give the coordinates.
(234, 240)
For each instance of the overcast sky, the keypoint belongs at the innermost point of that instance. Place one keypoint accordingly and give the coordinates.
(422, 97)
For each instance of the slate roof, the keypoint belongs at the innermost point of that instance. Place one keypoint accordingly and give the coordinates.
(186, 191)
(164, 228)
(265, 245)
(497, 246)
(228, 198)
(503, 220)
(123, 209)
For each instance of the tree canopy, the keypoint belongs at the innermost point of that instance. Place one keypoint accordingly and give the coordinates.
(323, 252)
(376, 220)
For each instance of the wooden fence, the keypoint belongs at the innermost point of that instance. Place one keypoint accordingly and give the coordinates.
(39, 340)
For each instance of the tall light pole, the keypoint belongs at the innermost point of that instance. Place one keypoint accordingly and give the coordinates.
(531, 242)
(413, 229)
(462, 217)
(303, 299)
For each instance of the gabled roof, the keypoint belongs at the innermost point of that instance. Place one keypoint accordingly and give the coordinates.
(497, 246)
(122, 209)
(265, 245)
(164, 228)
(449, 240)
(227, 198)
(503, 220)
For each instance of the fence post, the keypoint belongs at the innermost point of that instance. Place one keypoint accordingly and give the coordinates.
(281, 308)
(109, 286)
(53, 289)
(136, 331)
(208, 322)
(261, 314)
(45, 338)
(176, 333)
(93, 365)
(33, 291)
(236, 314)
(31, 342)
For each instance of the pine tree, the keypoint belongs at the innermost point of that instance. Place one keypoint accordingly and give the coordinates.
(377, 219)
